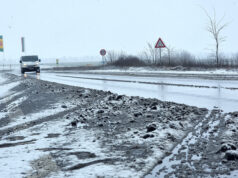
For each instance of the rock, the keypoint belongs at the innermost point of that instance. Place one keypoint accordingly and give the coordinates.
(137, 114)
(64, 106)
(148, 136)
(227, 146)
(229, 121)
(153, 107)
(119, 97)
(100, 111)
(231, 155)
(154, 104)
(160, 162)
(151, 128)
(172, 126)
(132, 120)
(181, 124)
(149, 115)
(74, 123)
(100, 125)
(171, 137)
(234, 114)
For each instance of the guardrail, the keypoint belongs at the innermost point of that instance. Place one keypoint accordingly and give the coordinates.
(6, 67)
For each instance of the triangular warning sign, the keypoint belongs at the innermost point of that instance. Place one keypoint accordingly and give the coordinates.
(160, 44)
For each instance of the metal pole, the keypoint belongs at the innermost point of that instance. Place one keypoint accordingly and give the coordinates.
(155, 56)
(160, 54)
(169, 55)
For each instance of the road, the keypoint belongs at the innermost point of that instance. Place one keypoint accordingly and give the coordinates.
(200, 92)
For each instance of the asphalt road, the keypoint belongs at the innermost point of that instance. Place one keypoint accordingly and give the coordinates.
(195, 91)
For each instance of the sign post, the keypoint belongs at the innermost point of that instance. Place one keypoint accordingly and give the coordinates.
(160, 44)
(23, 44)
(57, 61)
(103, 52)
(2, 49)
(1, 44)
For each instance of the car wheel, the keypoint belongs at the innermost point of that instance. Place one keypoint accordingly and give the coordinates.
(22, 71)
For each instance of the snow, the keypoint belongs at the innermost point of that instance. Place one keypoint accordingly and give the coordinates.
(161, 70)
(13, 163)
(21, 118)
(6, 87)
(2, 79)
(170, 160)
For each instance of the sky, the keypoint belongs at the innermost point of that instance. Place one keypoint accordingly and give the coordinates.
(79, 28)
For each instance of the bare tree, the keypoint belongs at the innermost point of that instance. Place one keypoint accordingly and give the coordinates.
(111, 56)
(152, 53)
(170, 51)
(215, 28)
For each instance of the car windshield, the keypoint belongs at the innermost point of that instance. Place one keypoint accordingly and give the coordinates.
(30, 58)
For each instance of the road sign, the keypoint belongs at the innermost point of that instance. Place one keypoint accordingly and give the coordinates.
(160, 44)
(1, 43)
(103, 52)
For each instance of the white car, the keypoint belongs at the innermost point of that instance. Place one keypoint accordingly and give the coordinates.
(30, 63)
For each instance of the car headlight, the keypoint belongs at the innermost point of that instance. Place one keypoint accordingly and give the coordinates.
(24, 64)
(37, 63)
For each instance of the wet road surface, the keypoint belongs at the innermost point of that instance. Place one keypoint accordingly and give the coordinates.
(196, 92)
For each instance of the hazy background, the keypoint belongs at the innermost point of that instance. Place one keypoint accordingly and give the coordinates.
(80, 28)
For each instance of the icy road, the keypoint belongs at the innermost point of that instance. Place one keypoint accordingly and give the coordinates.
(198, 92)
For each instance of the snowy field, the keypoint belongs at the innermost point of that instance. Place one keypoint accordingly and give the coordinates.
(150, 70)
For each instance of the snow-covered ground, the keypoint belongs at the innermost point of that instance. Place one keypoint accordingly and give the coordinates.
(5, 87)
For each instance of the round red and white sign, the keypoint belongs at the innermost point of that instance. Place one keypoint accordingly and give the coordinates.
(103, 52)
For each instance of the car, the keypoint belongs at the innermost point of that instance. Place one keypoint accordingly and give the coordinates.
(30, 63)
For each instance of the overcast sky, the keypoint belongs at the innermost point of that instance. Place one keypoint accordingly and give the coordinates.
(57, 28)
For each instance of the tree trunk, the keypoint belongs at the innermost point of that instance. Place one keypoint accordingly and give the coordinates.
(217, 53)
